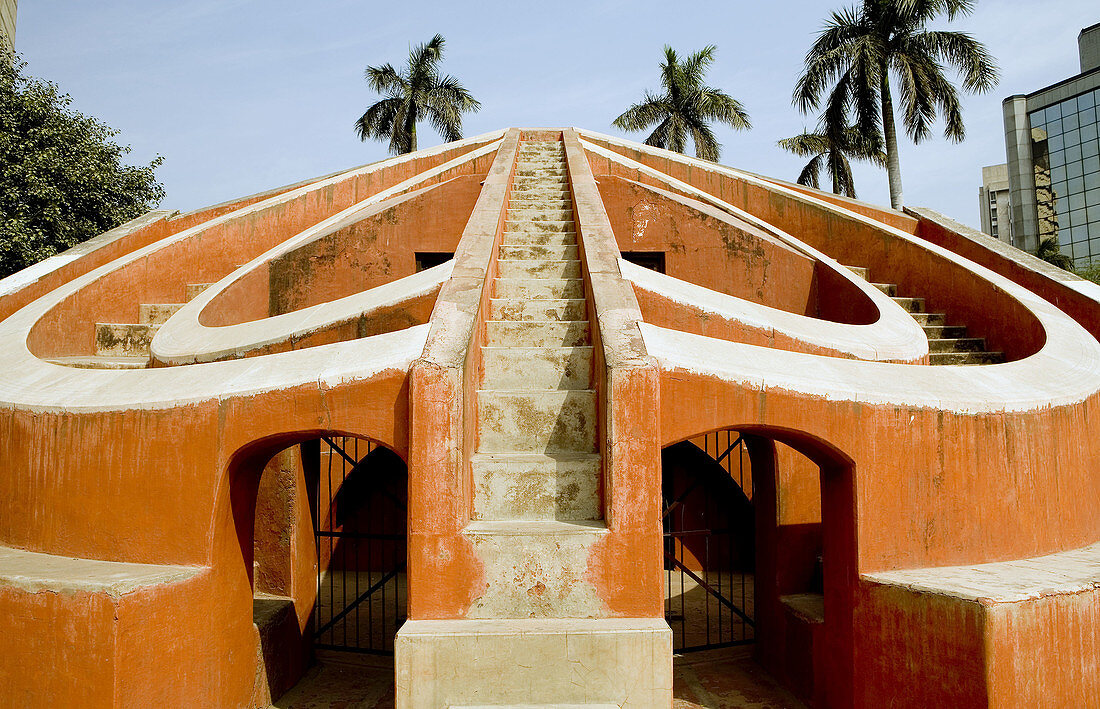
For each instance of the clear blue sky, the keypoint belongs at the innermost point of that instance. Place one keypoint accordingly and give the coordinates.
(243, 95)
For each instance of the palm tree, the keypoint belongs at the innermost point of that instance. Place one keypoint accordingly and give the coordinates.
(686, 106)
(421, 93)
(830, 150)
(1048, 251)
(861, 47)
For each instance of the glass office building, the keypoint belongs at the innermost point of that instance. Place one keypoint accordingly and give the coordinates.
(1066, 155)
(1053, 145)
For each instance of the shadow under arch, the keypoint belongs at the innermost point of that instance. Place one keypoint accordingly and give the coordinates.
(296, 504)
(804, 579)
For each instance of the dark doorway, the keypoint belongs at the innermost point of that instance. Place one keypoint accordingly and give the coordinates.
(710, 543)
(359, 513)
(653, 260)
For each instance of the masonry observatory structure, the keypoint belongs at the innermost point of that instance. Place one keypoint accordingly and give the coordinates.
(532, 412)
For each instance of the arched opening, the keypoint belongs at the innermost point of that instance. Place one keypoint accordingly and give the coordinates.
(322, 528)
(709, 533)
(759, 552)
(361, 503)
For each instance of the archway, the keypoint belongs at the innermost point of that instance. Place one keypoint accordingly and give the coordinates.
(320, 520)
(361, 542)
(760, 549)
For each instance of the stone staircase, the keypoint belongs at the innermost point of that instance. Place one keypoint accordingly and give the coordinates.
(947, 344)
(126, 345)
(536, 471)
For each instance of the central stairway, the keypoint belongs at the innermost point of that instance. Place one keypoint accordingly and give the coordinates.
(536, 471)
(537, 632)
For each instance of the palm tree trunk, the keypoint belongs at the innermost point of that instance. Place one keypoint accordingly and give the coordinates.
(889, 133)
(412, 139)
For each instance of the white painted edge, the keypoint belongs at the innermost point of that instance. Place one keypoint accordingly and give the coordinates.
(890, 338)
(1066, 375)
(1067, 572)
(35, 572)
(1065, 371)
(36, 385)
(183, 339)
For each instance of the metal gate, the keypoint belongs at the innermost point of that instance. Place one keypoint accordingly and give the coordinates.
(709, 543)
(360, 526)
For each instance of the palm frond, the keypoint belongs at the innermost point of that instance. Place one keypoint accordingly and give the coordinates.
(378, 120)
(811, 174)
(641, 116)
(385, 79)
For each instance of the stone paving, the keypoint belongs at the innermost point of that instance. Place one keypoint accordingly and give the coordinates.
(719, 679)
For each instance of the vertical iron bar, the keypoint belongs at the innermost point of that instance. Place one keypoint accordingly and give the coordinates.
(370, 556)
(317, 541)
(706, 558)
(356, 562)
(331, 591)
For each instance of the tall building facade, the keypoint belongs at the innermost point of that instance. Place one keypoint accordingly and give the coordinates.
(7, 23)
(1051, 138)
(994, 204)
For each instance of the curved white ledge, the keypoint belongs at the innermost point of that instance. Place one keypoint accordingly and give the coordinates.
(895, 336)
(34, 384)
(183, 339)
(912, 343)
(1065, 372)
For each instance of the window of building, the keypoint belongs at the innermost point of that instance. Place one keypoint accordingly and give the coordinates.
(653, 260)
(1066, 152)
(428, 259)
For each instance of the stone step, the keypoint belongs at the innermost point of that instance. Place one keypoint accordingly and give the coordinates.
(956, 344)
(536, 486)
(539, 238)
(911, 305)
(535, 333)
(561, 205)
(933, 319)
(889, 289)
(860, 271)
(534, 251)
(518, 367)
(527, 309)
(546, 182)
(157, 313)
(538, 188)
(540, 288)
(966, 358)
(534, 528)
(526, 227)
(95, 362)
(539, 268)
(536, 421)
(555, 705)
(944, 332)
(550, 194)
(542, 171)
(123, 339)
(540, 213)
(194, 289)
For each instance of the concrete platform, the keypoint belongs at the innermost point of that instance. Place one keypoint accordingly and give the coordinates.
(620, 661)
(719, 679)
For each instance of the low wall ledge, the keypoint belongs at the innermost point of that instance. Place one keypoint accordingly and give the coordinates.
(35, 572)
(1066, 572)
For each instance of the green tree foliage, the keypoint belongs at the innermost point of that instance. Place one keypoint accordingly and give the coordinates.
(421, 93)
(830, 150)
(686, 107)
(862, 49)
(62, 180)
(1048, 251)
